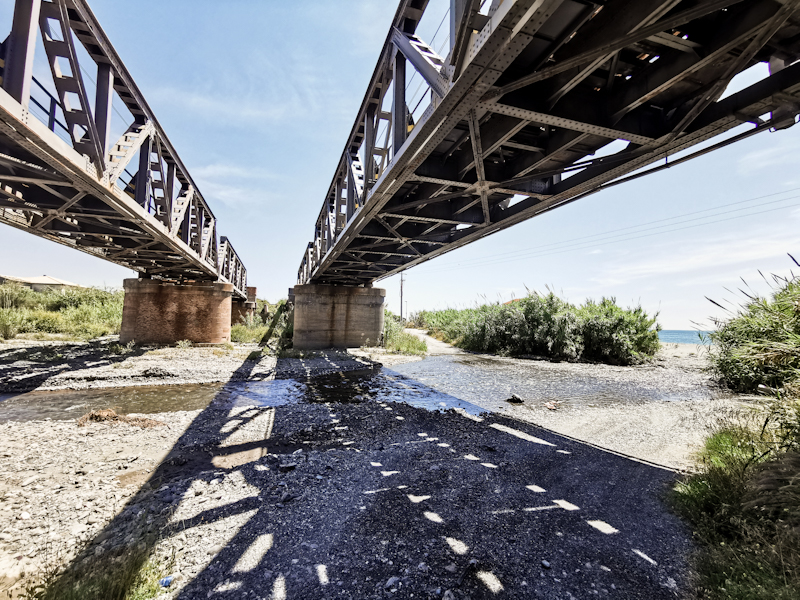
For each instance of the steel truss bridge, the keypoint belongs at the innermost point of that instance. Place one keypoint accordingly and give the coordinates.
(132, 202)
(529, 91)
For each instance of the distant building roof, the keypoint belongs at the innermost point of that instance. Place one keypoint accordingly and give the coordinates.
(43, 280)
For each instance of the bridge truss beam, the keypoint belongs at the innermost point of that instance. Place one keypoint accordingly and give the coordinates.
(528, 93)
(61, 180)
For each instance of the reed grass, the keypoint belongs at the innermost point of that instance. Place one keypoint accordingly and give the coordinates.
(744, 501)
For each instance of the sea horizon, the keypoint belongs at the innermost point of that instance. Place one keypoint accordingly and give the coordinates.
(683, 336)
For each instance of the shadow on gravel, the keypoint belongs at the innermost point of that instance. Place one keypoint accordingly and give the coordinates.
(360, 495)
(48, 360)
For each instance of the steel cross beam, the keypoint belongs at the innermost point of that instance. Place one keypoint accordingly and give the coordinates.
(60, 180)
(528, 93)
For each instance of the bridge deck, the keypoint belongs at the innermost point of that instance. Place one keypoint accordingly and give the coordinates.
(529, 93)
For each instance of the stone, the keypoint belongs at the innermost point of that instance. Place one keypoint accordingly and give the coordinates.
(448, 595)
(24, 516)
(514, 399)
(392, 581)
(545, 564)
(286, 467)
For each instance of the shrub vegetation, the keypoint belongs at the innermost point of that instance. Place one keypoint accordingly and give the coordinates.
(546, 325)
(744, 503)
(398, 341)
(82, 313)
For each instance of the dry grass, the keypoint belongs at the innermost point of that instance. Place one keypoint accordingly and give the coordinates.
(109, 416)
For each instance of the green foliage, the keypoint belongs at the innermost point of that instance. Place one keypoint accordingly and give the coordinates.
(15, 295)
(10, 322)
(250, 329)
(546, 325)
(80, 312)
(743, 505)
(743, 502)
(398, 341)
(760, 344)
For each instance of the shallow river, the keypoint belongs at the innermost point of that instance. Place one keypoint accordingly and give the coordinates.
(437, 382)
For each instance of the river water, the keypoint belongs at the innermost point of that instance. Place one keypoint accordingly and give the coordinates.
(472, 383)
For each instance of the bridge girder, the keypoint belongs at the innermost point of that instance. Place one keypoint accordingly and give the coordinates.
(529, 91)
(61, 179)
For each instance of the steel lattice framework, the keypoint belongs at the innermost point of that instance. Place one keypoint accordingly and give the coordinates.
(529, 91)
(60, 179)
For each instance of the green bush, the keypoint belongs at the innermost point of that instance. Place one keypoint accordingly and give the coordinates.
(398, 341)
(743, 501)
(10, 323)
(546, 325)
(14, 295)
(761, 343)
(82, 312)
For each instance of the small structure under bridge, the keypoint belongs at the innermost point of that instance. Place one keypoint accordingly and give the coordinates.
(126, 198)
(517, 109)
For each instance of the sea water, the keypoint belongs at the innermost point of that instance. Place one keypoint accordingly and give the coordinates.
(681, 336)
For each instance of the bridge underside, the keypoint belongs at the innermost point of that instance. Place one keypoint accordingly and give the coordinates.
(43, 194)
(131, 202)
(522, 107)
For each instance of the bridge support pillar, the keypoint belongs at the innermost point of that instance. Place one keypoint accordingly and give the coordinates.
(241, 309)
(159, 312)
(327, 316)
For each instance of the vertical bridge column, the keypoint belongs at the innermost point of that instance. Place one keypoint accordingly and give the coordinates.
(328, 316)
(242, 308)
(159, 312)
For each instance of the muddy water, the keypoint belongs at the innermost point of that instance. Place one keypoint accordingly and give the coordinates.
(464, 382)
(489, 381)
(354, 386)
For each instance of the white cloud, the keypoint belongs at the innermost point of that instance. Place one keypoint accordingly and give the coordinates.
(234, 185)
(710, 255)
(784, 153)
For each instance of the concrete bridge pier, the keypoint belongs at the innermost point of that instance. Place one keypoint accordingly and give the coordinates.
(330, 316)
(161, 312)
(243, 308)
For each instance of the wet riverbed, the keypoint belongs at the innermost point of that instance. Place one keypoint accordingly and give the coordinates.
(468, 382)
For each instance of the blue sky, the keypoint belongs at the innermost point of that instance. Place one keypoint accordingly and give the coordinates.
(258, 98)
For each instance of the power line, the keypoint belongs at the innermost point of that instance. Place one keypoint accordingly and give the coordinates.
(481, 262)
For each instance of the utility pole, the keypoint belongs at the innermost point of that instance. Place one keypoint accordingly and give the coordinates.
(401, 295)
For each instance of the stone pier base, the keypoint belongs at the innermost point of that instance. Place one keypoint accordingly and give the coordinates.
(327, 316)
(158, 312)
(241, 309)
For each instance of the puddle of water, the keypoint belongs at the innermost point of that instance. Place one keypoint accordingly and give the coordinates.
(489, 381)
(70, 404)
(354, 386)
(473, 384)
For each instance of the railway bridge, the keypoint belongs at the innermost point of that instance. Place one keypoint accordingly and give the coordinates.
(531, 104)
(84, 162)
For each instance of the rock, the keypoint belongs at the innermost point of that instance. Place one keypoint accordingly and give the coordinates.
(29, 480)
(423, 567)
(24, 516)
(448, 595)
(451, 568)
(545, 564)
(166, 581)
(514, 399)
(393, 581)
(286, 467)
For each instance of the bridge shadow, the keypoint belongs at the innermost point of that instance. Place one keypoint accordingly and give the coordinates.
(27, 368)
(348, 491)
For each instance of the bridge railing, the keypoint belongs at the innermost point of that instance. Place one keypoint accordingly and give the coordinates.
(139, 168)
